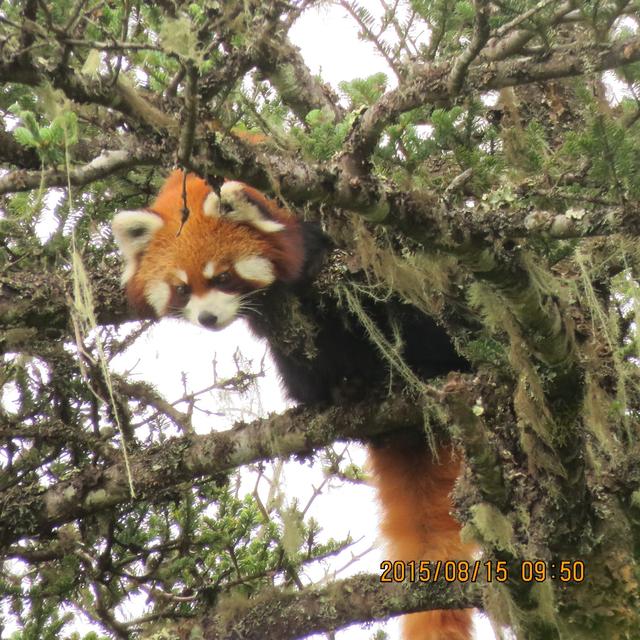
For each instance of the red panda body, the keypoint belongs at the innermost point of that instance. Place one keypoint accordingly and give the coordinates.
(240, 250)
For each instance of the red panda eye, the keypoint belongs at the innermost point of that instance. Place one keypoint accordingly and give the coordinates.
(183, 289)
(221, 279)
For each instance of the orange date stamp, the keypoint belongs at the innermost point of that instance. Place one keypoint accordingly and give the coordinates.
(565, 571)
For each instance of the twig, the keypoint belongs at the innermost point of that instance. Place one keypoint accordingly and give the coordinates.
(518, 20)
(188, 125)
(456, 184)
(481, 34)
(373, 38)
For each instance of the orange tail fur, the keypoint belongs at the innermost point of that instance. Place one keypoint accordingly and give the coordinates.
(413, 490)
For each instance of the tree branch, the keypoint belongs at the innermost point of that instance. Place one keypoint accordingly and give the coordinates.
(429, 84)
(84, 90)
(282, 63)
(106, 164)
(361, 598)
(500, 47)
(480, 37)
(160, 469)
(352, 8)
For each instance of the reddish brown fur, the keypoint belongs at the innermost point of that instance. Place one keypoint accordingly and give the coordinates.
(416, 521)
(204, 238)
(287, 244)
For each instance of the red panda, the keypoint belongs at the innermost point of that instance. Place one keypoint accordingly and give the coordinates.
(227, 249)
(240, 245)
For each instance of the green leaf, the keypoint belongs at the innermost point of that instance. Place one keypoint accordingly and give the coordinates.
(30, 122)
(364, 91)
(24, 137)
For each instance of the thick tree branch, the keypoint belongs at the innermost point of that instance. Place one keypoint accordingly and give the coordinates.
(104, 165)
(106, 92)
(34, 304)
(523, 17)
(466, 407)
(282, 63)
(417, 215)
(500, 46)
(564, 62)
(160, 469)
(362, 598)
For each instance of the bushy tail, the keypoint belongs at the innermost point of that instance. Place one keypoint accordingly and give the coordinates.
(413, 490)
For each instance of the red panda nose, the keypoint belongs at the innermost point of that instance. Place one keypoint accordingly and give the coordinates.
(208, 320)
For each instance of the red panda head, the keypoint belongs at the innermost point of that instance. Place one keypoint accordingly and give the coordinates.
(229, 247)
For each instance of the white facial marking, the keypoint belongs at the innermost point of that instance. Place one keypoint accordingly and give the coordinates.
(157, 293)
(133, 230)
(211, 206)
(255, 268)
(182, 276)
(232, 194)
(128, 272)
(209, 270)
(224, 306)
(268, 226)
(232, 191)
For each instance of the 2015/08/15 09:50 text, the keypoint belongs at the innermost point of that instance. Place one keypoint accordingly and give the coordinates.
(488, 570)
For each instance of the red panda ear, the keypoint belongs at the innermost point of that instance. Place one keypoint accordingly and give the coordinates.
(242, 204)
(133, 231)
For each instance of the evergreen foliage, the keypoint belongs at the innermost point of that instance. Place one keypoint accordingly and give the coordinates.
(507, 209)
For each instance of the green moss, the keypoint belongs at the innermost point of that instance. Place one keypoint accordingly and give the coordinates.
(494, 527)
